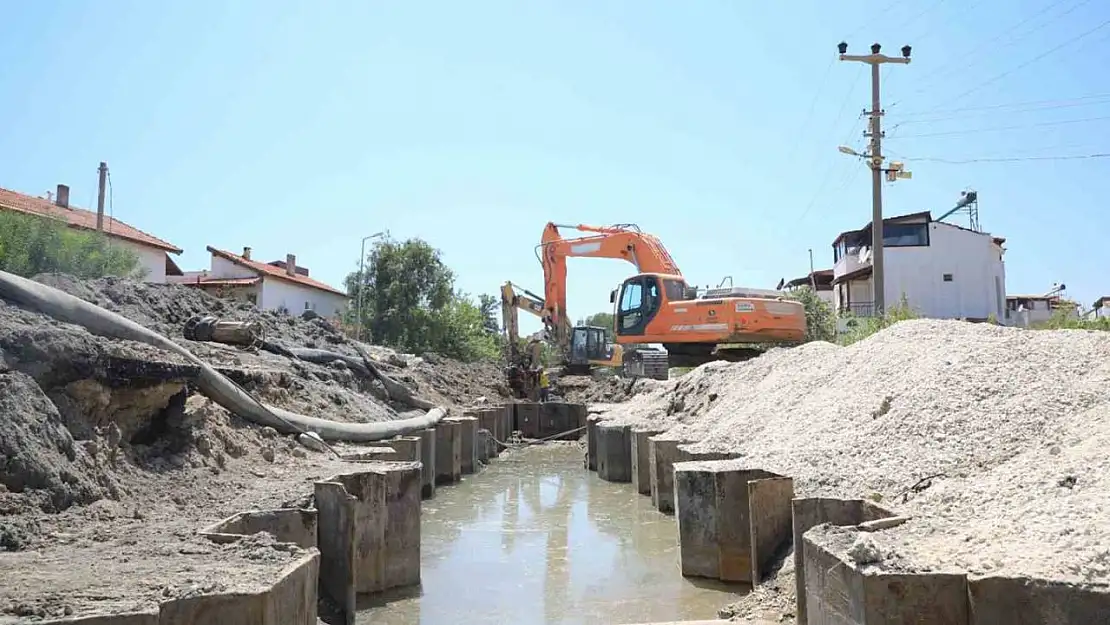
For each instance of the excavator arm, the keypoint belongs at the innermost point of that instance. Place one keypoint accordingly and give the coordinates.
(623, 242)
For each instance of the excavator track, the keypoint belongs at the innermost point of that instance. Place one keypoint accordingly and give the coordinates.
(646, 363)
(696, 354)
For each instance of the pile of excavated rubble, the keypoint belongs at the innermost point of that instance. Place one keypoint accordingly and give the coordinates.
(993, 439)
(110, 460)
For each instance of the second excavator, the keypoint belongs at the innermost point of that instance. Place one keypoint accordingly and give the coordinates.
(658, 306)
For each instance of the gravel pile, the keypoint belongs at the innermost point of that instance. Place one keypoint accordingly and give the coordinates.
(989, 435)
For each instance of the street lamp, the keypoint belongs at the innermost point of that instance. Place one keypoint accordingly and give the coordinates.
(361, 266)
(847, 150)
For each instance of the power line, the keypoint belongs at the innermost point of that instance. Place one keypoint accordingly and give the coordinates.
(809, 113)
(1061, 122)
(1034, 105)
(1033, 60)
(1010, 159)
(962, 58)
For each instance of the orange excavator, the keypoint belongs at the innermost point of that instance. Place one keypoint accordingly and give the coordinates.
(657, 305)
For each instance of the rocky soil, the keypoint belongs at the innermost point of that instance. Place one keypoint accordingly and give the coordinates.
(992, 438)
(110, 461)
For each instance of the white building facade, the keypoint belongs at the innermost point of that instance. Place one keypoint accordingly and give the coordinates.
(277, 285)
(944, 271)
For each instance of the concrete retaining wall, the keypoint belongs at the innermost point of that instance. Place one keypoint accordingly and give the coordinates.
(662, 456)
(468, 440)
(591, 442)
(838, 592)
(287, 525)
(1025, 601)
(731, 519)
(428, 462)
(641, 460)
(448, 451)
(614, 452)
(813, 511)
(369, 528)
(290, 600)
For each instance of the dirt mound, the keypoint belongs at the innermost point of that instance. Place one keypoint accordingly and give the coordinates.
(974, 429)
(609, 389)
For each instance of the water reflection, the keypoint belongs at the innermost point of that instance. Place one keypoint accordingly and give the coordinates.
(535, 538)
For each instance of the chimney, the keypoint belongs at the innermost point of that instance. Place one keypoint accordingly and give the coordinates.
(246, 252)
(290, 264)
(62, 199)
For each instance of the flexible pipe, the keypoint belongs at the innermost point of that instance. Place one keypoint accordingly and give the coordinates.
(65, 307)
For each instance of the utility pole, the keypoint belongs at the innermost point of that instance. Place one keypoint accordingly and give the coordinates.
(103, 171)
(876, 60)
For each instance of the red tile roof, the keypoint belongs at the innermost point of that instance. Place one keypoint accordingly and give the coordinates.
(274, 272)
(79, 218)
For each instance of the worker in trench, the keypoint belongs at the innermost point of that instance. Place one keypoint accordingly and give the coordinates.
(545, 385)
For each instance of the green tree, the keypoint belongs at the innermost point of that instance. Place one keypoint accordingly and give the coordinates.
(489, 306)
(820, 319)
(601, 319)
(409, 302)
(31, 244)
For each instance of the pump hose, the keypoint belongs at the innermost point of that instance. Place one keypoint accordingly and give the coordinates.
(65, 307)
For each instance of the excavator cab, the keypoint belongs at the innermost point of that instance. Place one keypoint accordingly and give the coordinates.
(587, 346)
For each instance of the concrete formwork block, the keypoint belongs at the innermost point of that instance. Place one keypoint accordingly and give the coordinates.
(731, 519)
(487, 420)
(527, 418)
(468, 443)
(559, 420)
(662, 455)
(448, 451)
(406, 448)
(614, 452)
(290, 600)
(287, 525)
(838, 591)
(371, 451)
(1025, 601)
(428, 463)
(641, 460)
(508, 419)
(809, 512)
(369, 525)
(591, 441)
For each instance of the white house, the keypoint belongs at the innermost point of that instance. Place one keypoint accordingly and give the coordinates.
(944, 271)
(820, 281)
(153, 253)
(277, 285)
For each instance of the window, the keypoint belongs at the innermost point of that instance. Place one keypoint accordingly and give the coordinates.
(947, 277)
(631, 297)
(905, 235)
(675, 290)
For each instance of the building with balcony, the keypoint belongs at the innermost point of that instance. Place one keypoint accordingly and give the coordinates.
(944, 271)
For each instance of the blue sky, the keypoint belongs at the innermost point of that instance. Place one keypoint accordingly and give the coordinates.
(300, 127)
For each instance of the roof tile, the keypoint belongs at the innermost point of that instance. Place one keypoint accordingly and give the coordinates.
(274, 272)
(79, 218)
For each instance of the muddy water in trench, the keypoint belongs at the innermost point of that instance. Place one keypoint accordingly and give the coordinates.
(535, 538)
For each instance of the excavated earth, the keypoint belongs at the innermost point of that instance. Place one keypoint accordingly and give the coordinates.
(991, 439)
(110, 461)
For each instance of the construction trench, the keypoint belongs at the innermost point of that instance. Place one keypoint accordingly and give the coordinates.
(307, 534)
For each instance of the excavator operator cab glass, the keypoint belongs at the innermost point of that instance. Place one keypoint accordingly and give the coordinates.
(579, 340)
(640, 299)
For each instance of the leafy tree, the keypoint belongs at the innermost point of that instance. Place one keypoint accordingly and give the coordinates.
(489, 306)
(409, 302)
(820, 319)
(31, 244)
(601, 319)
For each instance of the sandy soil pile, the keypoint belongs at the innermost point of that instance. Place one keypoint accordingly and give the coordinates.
(110, 462)
(989, 436)
(608, 389)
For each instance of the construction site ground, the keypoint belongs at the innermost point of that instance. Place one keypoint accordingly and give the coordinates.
(991, 439)
(104, 481)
